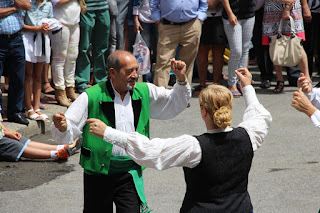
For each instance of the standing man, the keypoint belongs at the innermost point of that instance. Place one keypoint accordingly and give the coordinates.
(94, 28)
(12, 52)
(109, 174)
(179, 24)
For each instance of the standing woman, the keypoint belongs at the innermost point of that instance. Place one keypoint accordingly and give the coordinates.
(274, 11)
(65, 49)
(238, 20)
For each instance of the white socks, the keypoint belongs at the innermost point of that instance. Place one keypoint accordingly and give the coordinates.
(53, 154)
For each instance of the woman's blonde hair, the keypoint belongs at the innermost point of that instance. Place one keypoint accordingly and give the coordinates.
(218, 101)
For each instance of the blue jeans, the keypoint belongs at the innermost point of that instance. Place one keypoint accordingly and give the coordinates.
(12, 54)
(150, 36)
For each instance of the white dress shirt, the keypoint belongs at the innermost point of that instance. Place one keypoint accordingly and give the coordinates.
(314, 97)
(164, 104)
(185, 150)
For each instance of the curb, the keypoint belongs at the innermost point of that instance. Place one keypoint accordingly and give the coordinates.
(36, 127)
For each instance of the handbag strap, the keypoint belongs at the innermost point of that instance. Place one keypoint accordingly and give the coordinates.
(293, 30)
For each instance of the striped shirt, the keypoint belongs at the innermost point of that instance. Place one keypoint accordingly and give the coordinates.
(95, 5)
(12, 23)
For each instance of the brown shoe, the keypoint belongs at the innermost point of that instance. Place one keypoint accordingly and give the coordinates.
(61, 98)
(71, 93)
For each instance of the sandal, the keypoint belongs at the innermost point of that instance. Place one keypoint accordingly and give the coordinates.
(236, 94)
(35, 116)
(279, 87)
(43, 117)
(48, 90)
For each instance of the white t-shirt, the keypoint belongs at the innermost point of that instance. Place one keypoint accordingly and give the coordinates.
(68, 14)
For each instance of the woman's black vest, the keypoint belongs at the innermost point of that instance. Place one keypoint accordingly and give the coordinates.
(219, 183)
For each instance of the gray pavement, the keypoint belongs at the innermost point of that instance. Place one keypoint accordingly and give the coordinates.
(284, 175)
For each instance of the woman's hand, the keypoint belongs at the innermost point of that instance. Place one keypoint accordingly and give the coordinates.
(14, 135)
(233, 19)
(244, 76)
(137, 24)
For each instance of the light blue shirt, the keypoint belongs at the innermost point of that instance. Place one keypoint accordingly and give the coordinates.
(36, 13)
(12, 23)
(178, 10)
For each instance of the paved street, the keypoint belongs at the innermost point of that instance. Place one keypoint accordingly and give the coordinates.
(284, 175)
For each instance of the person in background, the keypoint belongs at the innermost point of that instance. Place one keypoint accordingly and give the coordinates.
(95, 28)
(264, 62)
(178, 25)
(238, 21)
(274, 11)
(217, 163)
(109, 175)
(65, 49)
(148, 30)
(214, 38)
(12, 53)
(37, 45)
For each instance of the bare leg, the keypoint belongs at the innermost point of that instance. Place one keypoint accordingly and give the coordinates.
(280, 83)
(35, 153)
(278, 72)
(303, 65)
(36, 77)
(218, 62)
(43, 146)
(46, 86)
(27, 88)
(202, 62)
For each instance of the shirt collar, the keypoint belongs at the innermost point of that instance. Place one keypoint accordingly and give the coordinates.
(227, 129)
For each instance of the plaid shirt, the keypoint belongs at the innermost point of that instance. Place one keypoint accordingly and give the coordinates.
(12, 23)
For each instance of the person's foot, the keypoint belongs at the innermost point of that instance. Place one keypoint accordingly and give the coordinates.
(81, 89)
(75, 146)
(265, 84)
(17, 118)
(47, 89)
(64, 153)
(235, 92)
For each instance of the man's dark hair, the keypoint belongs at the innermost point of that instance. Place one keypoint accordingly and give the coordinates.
(113, 61)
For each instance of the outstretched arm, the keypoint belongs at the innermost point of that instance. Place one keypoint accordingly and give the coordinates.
(256, 119)
(157, 153)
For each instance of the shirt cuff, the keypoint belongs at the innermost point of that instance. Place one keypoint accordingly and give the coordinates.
(135, 11)
(315, 118)
(249, 94)
(115, 137)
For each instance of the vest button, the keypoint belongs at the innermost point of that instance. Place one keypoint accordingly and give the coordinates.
(107, 150)
(102, 165)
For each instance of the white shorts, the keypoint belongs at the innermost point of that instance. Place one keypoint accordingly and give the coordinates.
(29, 44)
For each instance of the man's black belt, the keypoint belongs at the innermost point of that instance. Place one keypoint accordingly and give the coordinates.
(10, 36)
(165, 21)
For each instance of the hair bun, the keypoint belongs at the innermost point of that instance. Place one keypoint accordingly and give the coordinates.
(222, 117)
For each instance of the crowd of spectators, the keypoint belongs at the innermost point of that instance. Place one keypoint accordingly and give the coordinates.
(74, 38)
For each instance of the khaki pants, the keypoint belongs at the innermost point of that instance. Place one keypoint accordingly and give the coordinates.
(187, 36)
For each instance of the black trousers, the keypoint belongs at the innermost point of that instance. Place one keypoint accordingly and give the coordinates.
(100, 191)
(264, 62)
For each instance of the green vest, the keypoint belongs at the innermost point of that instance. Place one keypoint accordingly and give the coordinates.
(95, 152)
